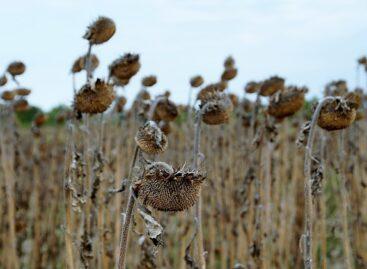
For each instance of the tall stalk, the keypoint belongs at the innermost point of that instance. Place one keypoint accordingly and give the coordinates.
(68, 203)
(345, 203)
(88, 63)
(198, 205)
(268, 205)
(121, 263)
(7, 161)
(307, 236)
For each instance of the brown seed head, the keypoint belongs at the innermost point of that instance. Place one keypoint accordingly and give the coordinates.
(216, 109)
(149, 81)
(336, 114)
(271, 86)
(143, 95)
(196, 81)
(8, 95)
(229, 62)
(80, 63)
(39, 120)
(362, 60)
(207, 91)
(222, 85)
(234, 99)
(165, 127)
(125, 67)
(94, 98)
(354, 100)
(336, 88)
(286, 103)
(167, 93)
(229, 74)
(252, 87)
(120, 81)
(165, 110)
(247, 105)
(100, 31)
(22, 91)
(151, 139)
(16, 68)
(61, 117)
(166, 189)
(64, 115)
(360, 115)
(3, 80)
(20, 105)
(120, 103)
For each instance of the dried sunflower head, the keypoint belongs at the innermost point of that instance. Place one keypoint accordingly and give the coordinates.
(286, 103)
(63, 115)
(362, 60)
(125, 67)
(165, 127)
(120, 81)
(216, 109)
(247, 105)
(143, 95)
(151, 139)
(3, 80)
(165, 110)
(221, 85)
(229, 74)
(360, 115)
(22, 91)
(120, 103)
(166, 189)
(336, 114)
(229, 62)
(100, 31)
(271, 86)
(167, 93)
(354, 100)
(80, 63)
(95, 98)
(20, 105)
(341, 86)
(16, 68)
(196, 81)
(149, 81)
(8, 95)
(336, 88)
(234, 99)
(209, 90)
(39, 120)
(252, 87)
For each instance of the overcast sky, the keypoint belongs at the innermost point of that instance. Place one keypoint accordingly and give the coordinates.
(306, 41)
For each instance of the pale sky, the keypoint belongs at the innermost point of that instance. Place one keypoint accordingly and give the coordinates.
(308, 42)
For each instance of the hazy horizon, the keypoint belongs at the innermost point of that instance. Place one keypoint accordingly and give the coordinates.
(306, 42)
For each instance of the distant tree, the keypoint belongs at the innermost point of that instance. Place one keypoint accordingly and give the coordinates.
(25, 118)
(52, 114)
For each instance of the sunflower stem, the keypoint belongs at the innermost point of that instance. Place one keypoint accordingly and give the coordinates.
(126, 225)
(345, 202)
(307, 236)
(198, 215)
(88, 63)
